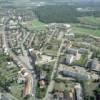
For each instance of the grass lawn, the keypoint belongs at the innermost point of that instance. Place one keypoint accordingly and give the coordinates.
(38, 25)
(51, 52)
(59, 86)
(16, 91)
(7, 75)
(80, 30)
(90, 87)
(82, 61)
(63, 85)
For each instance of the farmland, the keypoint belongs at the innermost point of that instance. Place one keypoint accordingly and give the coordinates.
(81, 30)
(90, 20)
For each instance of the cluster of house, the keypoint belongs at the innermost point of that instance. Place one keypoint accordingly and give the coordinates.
(59, 30)
(15, 32)
(39, 58)
(60, 25)
(73, 93)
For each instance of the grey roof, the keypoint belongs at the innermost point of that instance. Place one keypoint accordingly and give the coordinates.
(75, 75)
(94, 63)
(83, 50)
(3, 97)
(72, 50)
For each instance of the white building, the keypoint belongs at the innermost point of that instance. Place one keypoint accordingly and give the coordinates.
(69, 59)
(78, 90)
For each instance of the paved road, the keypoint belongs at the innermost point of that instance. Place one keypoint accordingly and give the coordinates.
(96, 37)
(45, 62)
(50, 87)
(89, 45)
(49, 39)
(25, 58)
(52, 34)
(26, 37)
(31, 40)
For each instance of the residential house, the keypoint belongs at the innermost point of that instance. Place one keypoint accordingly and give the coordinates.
(28, 86)
(42, 83)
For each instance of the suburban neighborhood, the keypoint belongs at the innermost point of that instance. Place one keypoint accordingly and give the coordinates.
(46, 61)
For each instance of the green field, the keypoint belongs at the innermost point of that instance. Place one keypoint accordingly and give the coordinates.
(81, 30)
(16, 91)
(90, 20)
(82, 61)
(90, 87)
(38, 25)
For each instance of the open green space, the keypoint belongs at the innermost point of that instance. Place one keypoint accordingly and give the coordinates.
(38, 25)
(60, 86)
(90, 87)
(90, 20)
(85, 31)
(6, 74)
(63, 85)
(8, 77)
(82, 61)
(50, 52)
(16, 91)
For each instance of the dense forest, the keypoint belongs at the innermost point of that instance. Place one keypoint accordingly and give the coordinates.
(56, 13)
(62, 13)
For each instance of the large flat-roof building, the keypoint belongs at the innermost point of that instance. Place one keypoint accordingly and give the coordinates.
(76, 72)
(95, 65)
